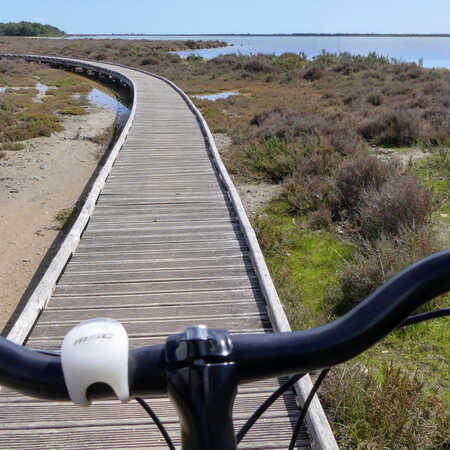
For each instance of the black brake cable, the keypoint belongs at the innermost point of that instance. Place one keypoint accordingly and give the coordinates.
(426, 316)
(409, 321)
(305, 407)
(265, 405)
(443, 312)
(158, 423)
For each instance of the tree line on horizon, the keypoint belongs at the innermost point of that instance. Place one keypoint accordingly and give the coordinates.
(29, 29)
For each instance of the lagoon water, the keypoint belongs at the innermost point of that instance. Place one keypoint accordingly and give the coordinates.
(104, 100)
(218, 96)
(433, 51)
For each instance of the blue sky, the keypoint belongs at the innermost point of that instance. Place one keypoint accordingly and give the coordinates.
(234, 16)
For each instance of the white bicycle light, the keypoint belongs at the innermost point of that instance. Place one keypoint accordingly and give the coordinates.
(95, 351)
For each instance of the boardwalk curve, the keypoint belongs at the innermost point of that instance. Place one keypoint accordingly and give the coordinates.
(165, 243)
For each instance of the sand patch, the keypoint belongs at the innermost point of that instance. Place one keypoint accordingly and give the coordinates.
(48, 175)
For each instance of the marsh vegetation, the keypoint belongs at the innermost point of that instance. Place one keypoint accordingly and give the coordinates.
(346, 220)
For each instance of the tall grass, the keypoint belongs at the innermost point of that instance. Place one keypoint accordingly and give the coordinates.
(386, 410)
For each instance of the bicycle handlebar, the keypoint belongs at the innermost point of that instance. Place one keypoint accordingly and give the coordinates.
(256, 356)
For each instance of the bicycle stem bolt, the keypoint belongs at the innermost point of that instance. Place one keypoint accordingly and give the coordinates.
(199, 343)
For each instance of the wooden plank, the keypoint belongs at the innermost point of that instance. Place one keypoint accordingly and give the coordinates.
(193, 216)
(158, 227)
(157, 264)
(158, 299)
(160, 327)
(34, 414)
(156, 238)
(137, 256)
(154, 312)
(157, 275)
(156, 287)
(93, 247)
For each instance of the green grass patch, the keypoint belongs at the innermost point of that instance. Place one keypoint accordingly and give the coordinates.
(270, 159)
(22, 118)
(62, 216)
(304, 263)
(73, 111)
(12, 146)
(434, 171)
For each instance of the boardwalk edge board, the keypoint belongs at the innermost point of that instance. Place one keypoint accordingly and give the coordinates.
(317, 422)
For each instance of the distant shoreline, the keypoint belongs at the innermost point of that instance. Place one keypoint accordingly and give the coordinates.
(270, 35)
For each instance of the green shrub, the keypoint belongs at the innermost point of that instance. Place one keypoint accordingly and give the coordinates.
(272, 158)
(12, 146)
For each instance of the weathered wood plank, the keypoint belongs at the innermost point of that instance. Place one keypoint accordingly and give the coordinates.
(157, 327)
(158, 264)
(181, 298)
(156, 275)
(156, 287)
(154, 312)
(156, 227)
(138, 256)
(93, 247)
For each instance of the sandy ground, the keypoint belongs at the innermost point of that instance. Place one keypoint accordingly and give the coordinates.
(405, 157)
(35, 183)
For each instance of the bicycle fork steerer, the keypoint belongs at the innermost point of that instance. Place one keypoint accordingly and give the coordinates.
(201, 381)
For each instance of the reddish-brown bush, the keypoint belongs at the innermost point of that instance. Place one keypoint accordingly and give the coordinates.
(313, 73)
(400, 203)
(354, 176)
(396, 128)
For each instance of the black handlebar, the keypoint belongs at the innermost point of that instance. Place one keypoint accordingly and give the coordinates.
(346, 337)
(259, 355)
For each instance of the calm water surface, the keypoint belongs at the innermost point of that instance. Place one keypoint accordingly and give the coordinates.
(104, 100)
(218, 96)
(434, 51)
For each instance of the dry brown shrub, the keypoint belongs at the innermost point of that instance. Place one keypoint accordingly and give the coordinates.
(313, 73)
(309, 193)
(397, 128)
(356, 174)
(320, 219)
(378, 262)
(400, 203)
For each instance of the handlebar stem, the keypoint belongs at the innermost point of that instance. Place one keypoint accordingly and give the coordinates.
(202, 383)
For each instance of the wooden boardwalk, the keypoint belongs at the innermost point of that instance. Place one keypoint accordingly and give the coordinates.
(163, 249)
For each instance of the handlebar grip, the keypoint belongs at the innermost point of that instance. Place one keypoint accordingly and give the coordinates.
(31, 372)
(40, 374)
(265, 355)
